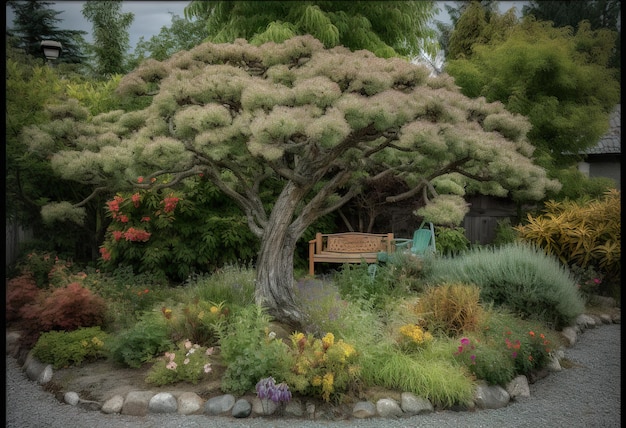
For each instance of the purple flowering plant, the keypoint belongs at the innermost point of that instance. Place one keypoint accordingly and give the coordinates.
(267, 389)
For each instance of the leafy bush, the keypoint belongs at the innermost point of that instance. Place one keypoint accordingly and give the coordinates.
(20, 291)
(585, 234)
(516, 276)
(191, 230)
(139, 344)
(451, 240)
(63, 349)
(485, 362)
(321, 303)
(233, 284)
(451, 308)
(198, 321)
(189, 363)
(67, 308)
(251, 351)
(38, 265)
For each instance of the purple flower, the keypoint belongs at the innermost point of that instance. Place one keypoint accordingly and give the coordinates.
(465, 341)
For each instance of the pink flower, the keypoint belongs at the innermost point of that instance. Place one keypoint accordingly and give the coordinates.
(208, 368)
(465, 341)
(187, 344)
(186, 361)
(171, 365)
(209, 351)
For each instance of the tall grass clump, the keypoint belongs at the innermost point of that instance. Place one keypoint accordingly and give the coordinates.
(516, 276)
(233, 285)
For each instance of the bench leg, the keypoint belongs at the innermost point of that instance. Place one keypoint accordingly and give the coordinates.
(311, 267)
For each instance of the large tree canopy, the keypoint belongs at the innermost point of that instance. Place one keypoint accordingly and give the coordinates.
(386, 28)
(322, 122)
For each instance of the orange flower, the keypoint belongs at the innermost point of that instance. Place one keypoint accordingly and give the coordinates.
(532, 333)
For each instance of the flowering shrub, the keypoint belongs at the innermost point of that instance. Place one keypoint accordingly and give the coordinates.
(413, 337)
(588, 280)
(63, 349)
(530, 351)
(193, 229)
(190, 363)
(322, 367)
(485, 361)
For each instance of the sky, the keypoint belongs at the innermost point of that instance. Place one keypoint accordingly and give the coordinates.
(151, 16)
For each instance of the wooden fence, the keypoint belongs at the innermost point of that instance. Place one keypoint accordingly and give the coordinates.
(15, 236)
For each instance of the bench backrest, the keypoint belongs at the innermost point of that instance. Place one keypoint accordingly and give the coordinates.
(355, 242)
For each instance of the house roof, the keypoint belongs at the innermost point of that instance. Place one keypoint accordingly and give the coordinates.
(611, 142)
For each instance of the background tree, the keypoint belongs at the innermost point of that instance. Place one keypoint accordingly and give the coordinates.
(599, 14)
(386, 28)
(35, 21)
(321, 123)
(110, 34)
(182, 34)
(560, 80)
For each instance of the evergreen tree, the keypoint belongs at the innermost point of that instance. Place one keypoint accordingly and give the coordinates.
(35, 21)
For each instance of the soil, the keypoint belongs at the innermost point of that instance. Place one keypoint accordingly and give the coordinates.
(100, 380)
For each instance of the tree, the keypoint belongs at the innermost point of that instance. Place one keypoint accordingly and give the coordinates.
(183, 34)
(386, 28)
(321, 123)
(599, 14)
(35, 21)
(560, 80)
(110, 33)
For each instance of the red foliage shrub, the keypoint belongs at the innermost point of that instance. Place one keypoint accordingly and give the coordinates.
(20, 291)
(68, 308)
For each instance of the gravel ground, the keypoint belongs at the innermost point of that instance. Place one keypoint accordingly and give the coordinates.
(587, 395)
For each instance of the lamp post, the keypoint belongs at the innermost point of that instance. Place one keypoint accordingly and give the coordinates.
(51, 49)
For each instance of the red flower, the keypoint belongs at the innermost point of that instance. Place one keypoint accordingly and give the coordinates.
(134, 235)
(145, 218)
(117, 235)
(140, 180)
(170, 204)
(106, 256)
(136, 198)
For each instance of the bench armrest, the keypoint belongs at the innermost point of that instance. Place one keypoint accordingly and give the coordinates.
(402, 243)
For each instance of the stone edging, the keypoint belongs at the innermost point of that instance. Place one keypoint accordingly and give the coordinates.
(139, 403)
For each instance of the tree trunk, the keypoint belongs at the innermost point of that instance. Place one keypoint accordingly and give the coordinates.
(274, 271)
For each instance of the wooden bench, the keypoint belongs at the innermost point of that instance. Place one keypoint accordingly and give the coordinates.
(348, 247)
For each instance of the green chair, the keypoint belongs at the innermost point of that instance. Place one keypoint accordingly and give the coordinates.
(422, 244)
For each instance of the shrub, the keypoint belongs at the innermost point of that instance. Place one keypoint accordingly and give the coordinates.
(20, 291)
(322, 367)
(192, 229)
(451, 240)
(190, 363)
(63, 349)
(38, 265)
(516, 276)
(585, 234)
(321, 303)
(233, 285)
(451, 308)
(485, 361)
(198, 321)
(67, 308)
(251, 351)
(139, 344)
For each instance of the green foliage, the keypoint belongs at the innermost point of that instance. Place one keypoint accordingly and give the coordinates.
(431, 374)
(505, 233)
(505, 347)
(451, 240)
(38, 265)
(322, 367)
(232, 284)
(190, 362)
(387, 29)
(177, 232)
(450, 308)
(517, 276)
(138, 344)
(250, 351)
(584, 233)
(544, 73)
(577, 186)
(198, 321)
(63, 349)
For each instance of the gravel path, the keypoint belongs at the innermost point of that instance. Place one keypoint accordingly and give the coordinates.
(587, 395)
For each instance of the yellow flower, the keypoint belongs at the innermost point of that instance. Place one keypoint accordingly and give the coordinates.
(328, 340)
(316, 381)
(214, 309)
(327, 385)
